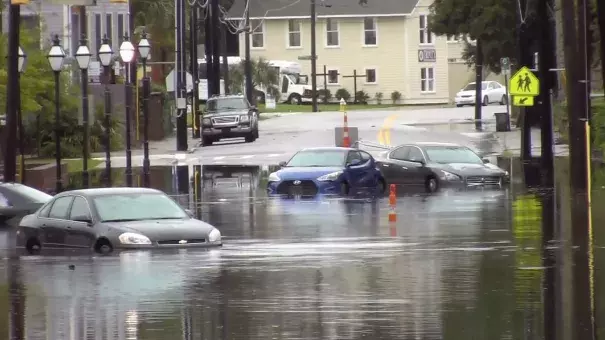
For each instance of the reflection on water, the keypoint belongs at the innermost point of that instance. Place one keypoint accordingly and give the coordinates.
(491, 264)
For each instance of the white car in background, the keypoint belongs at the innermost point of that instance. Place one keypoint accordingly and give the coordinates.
(492, 92)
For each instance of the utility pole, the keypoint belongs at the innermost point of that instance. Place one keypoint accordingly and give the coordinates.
(313, 56)
(85, 118)
(179, 90)
(248, 62)
(478, 84)
(12, 93)
(216, 46)
(224, 32)
(546, 61)
(601, 19)
(195, 95)
(208, 37)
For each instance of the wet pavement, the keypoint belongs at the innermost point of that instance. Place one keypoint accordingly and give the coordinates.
(456, 265)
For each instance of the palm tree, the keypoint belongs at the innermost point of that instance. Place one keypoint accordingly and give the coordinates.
(265, 79)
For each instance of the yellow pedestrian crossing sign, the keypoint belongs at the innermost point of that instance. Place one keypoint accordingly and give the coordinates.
(524, 83)
(523, 101)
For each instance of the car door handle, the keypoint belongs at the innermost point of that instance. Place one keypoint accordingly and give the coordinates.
(386, 165)
(404, 167)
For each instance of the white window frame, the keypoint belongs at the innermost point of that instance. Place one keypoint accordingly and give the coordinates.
(364, 31)
(255, 25)
(427, 35)
(375, 75)
(327, 32)
(328, 70)
(289, 33)
(426, 80)
(453, 39)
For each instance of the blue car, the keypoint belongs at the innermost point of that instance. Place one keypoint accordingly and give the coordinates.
(329, 170)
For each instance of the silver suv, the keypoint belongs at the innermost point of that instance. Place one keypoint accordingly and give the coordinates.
(227, 117)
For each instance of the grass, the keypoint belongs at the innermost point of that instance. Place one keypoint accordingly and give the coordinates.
(74, 165)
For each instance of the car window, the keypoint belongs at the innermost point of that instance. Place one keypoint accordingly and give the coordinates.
(44, 211)
(137, 207)
(60, 207)
(79, 208)
(353, 155)
(496, 85)
(415, 155)
(400, 153)
(30, 194)
(365, 156)
(318, 158)
(227, 104)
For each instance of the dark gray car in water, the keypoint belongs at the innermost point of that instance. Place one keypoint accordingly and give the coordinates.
(113, 218)
(438, 165)
(18, 200)
(229, 117)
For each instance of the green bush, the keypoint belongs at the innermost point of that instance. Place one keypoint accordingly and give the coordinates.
(343, 94)
(561, 122)
(396, 97)
(379, 96)
(362, 97)
(325, 95)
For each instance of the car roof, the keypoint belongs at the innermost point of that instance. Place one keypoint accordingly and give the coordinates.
(330, 148)
(426, 144)
(227, 96)
(110, 191)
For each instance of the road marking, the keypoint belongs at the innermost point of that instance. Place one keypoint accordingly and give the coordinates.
(218, 158)
(247, 157)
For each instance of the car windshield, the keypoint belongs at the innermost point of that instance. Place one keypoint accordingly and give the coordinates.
(226, 105)
(473, 86)
(30, 194)
(318, 158)
(446, 155)
(137, 207)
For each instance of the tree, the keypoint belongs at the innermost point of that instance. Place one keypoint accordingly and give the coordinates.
(491, 21)
(265, 77)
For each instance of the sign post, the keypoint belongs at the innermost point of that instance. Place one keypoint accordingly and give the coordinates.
(524, 86)
(505, 65)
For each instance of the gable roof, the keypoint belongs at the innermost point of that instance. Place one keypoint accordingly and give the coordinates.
(291, 9)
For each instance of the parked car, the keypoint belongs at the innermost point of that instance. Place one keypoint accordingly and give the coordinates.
(229, 117)
(437, 165)
(327, 170)
(492, 92)
(18, 200)
(113, 218)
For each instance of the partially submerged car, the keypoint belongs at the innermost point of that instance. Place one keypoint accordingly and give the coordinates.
(18, 200)
(229, 117)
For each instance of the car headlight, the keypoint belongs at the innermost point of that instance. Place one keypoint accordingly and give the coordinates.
(330, 177)
(206, 121)
(448, 176)
(244, 119)
(273, 177)
(214, 236)
(133, 238)
(506, 174)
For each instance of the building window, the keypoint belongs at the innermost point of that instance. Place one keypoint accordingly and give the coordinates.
(427, 79)
(294, 33)
(426, 37)
(257, 36)
(370, 32)
(98, 31)
(332, 33)
(120, 34)
(109, 25)
(371, 76)
(333, 77)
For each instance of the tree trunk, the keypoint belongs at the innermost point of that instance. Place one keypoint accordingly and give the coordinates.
(478, 84)
(601, 19)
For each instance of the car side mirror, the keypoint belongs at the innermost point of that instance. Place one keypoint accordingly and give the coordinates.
(190, 213)
(354, 162)
(283, 164)
(485, 161)
(83, 219)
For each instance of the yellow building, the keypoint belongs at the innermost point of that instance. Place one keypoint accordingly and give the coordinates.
(386, 42)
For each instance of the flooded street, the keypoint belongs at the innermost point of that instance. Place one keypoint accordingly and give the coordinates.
(455, 265)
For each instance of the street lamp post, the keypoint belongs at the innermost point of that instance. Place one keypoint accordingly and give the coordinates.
(105, 56)
(144, 49)
(22, 58)
(127, 54)
(83, 58)
(56, 57)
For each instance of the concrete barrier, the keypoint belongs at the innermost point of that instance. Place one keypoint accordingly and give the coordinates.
(339, 134)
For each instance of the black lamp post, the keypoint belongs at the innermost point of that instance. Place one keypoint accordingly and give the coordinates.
(105, 56)
(21, 62)
(56, 57)
(144, 49)
(83, 58)
(127, 54)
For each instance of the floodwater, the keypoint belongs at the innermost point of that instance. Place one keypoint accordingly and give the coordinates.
(455, 265)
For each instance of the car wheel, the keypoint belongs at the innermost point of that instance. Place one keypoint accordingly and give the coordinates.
(485, 101)
(295, 99)
(256, 133)
(382, 186)
(103, 247)
(503, 100)
(250, 138)
(206, 141)
(344, 188)
(432, 185)
(33, 246)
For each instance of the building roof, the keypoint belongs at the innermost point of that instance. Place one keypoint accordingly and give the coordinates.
(291, 9)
